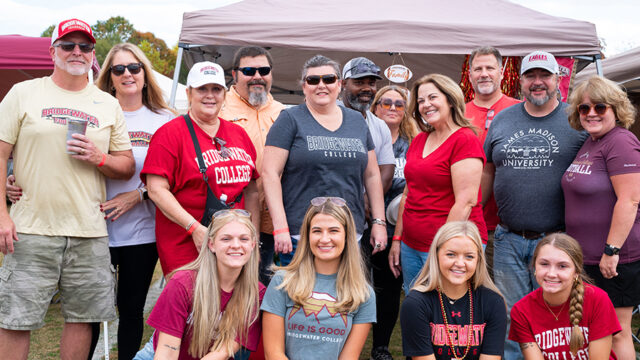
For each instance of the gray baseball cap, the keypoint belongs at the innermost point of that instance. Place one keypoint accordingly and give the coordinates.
(539, 60)
(360, 67)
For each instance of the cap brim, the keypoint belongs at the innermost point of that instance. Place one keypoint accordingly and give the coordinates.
(365, 75)
(205, 82)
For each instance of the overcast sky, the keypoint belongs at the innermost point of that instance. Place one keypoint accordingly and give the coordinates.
(616, 20)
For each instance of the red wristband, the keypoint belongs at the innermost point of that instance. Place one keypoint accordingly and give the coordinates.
(192, 228)
(396, 238)
(104, 159)
(280, 231)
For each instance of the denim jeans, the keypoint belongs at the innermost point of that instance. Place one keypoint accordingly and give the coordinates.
(512, 255)
(412, 262)
(147, 352)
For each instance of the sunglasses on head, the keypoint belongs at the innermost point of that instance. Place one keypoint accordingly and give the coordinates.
(220, 144)
(386, 104)
(585, 109)
(250, 71)
(68, 46)
(226, 212)
(118, 70)
(315, 79)
(321, 200)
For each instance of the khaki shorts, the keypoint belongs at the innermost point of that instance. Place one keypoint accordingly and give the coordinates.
(79, 267)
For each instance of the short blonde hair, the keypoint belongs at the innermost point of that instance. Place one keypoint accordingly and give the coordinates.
(430, 278)
(601, 90)
(451, 91)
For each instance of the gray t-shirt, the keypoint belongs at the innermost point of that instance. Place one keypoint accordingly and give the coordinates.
(530, 155)
(315, 329)
(321, 162)
(381, 139)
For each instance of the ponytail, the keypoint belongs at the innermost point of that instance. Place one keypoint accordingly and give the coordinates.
(575, 315)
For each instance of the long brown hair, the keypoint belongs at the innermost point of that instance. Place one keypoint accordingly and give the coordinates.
(151, 93)
(570, 246)
(454, 96)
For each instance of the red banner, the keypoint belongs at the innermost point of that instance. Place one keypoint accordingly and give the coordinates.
(566, 68)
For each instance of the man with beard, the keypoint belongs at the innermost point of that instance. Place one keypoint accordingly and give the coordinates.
(528, 148)
(56, 235)
(359, 77)
(249, 104)
(485, 74)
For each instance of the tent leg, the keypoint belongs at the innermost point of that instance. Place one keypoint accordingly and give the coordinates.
(599, 66)
(106, 339)
(176, 75)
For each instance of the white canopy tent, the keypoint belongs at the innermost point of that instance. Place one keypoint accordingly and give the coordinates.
(623, 68)
(430, 35)
(180, 104)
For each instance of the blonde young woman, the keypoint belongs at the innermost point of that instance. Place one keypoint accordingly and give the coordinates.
(454, 310)
(320, 306)
(209, 309)
(564, 318)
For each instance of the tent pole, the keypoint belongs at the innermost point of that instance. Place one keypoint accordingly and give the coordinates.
(176, 76)
(599, 65)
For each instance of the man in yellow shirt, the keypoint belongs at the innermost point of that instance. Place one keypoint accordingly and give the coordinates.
(249, 104)
(55, 235)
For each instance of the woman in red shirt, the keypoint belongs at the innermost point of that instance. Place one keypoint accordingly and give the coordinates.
(443, 171)
(564, 315)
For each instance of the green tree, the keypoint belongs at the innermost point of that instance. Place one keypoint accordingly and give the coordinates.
(162, 58)
(48, 31)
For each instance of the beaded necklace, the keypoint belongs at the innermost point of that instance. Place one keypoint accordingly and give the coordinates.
(446, 324)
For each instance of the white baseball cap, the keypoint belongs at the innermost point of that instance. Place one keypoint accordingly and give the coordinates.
(539, 60)
(206, 72)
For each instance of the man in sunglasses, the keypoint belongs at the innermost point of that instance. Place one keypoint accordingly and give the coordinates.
(56, 235)
(528, 147)
(250, 105)
(485, 75)
(359, 77)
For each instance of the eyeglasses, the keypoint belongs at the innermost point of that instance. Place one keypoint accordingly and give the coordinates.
(68, 46)
(224, 151)
(226, 212)
(387, 103)
(585, 109)
(321, 200)
(315, 79)
(487, 122)
(250, 71)
(118, 70)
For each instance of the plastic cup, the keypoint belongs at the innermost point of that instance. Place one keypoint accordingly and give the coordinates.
(75, 126)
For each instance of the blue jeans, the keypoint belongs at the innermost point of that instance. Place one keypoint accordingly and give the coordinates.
(285, 259)
(512, 255)
(147, 352)
(412, 262)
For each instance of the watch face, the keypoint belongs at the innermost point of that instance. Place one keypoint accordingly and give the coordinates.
(611, 250)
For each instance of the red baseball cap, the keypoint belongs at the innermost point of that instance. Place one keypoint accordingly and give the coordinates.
(72, 25)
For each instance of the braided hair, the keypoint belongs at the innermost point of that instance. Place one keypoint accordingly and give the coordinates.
(570, 246)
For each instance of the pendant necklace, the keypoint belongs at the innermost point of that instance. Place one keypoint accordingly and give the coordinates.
(446, 323)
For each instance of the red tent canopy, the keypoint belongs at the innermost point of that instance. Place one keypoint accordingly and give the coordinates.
(23, 58)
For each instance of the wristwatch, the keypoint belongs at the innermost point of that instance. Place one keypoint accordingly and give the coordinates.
(611, 250)
(145, 194)
(379, 222)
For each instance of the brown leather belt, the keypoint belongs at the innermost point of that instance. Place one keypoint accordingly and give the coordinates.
(529, 234)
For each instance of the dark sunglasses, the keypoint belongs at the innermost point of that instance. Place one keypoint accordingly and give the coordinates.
(68, 46)
(321, 200)
(600, 109)
(387, 103)
(250, 71)
(315, 79)
(118, 70)
(224, 151)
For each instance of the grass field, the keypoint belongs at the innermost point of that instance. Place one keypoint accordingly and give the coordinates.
(45, 341)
